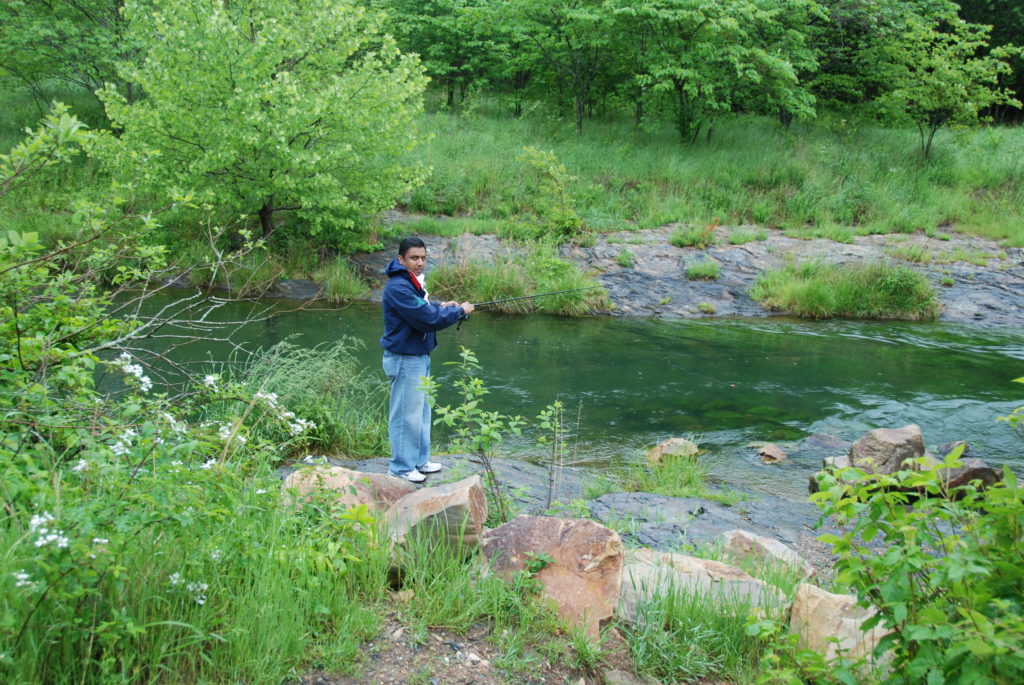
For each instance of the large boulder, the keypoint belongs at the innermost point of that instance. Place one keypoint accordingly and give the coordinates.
(883, 450)
(819, 616)
(649, 575)
(742, 544)
(585, 573)
(350, 488)
(673, 447)
(454, 511)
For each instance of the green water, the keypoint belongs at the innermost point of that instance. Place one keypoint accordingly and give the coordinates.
(632, 383)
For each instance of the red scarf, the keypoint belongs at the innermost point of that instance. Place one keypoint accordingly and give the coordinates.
(415, 281)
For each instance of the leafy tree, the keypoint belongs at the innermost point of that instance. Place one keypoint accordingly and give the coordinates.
(453, 47)
(76, 41)
(938, 75)
(1006, 17)
(261, 106)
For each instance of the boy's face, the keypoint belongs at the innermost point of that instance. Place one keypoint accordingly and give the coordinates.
(415, 260)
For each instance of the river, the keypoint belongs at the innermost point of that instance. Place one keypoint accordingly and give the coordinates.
(630, 383)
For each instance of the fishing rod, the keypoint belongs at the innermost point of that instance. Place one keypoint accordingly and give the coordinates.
(530, 297)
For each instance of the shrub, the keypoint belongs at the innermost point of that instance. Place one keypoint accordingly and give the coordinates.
(692, 236)
(341, 281)
(941, 565)
(871, 291)
(625, 259)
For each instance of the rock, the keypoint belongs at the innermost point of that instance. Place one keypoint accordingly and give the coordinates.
(883, 450)
(970, 469)
(456, 511)
(618, 677)
(352, 488)
(943, 450)
(742, 544)
(771, 454)
(818, 615)
(649, 574)
(673, 447)
(584, 577)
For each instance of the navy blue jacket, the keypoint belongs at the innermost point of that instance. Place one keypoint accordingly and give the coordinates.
(409, 320)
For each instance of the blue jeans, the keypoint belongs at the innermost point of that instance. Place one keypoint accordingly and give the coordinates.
(408, 411)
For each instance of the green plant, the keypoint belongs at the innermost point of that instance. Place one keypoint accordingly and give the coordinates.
(692, 236)
(553, 203)
(948, 580)
(341, 281)
(918, 254)
(742, 236)
(704, 270)
(624, 259)
(477, 431)
(947, 281)
(870, 291)
(706, 307)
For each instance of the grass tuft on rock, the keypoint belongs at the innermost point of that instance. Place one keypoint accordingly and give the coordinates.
(879, 290)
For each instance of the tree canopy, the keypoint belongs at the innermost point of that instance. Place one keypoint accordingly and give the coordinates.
(262, 106)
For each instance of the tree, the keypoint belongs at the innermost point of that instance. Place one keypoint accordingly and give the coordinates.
(938, 75)
(261, 106)
(75, 41)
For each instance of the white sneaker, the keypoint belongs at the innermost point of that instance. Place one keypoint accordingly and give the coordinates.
(413, 476)
(430, 467)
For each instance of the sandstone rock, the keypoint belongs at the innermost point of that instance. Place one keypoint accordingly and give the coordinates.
(883, 450)
(771, 454)
(818, 615)
(969, 469)
(673, 447)
(377, 491)
(743, 544)
(584, 577)
(617, 677)
(649, 574)
(456, 511)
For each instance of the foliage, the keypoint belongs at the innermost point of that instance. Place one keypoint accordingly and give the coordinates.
(1016, 418)
(692, 236)
(477, 431)
(624, 259)
(552, 420)
(341, 281)
(947, 578)
(140, 539)
(936, 75)
(870, 291)
(678, 476)
(554, 206)
(262, 106)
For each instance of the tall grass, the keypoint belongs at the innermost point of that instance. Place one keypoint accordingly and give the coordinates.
(677, 476)
(752, 172)
(871, 291)
(327, 385)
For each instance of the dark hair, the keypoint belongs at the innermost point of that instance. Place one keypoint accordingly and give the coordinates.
(411, 241)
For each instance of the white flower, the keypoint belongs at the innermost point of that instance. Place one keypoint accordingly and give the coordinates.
(210, 381)
(128, 434)
(145, 384)
(80, 466)
(124, 358)
(176, 462)
(46, 537)
(269, 397)
(198, 591)
(100, 541)
(36, 521)
(119, 448)
(175, 579)
(261, 491)
(208, 463)
(299, 426)
(216, 554)
(225, 431)
(21, 579)
(158, 440)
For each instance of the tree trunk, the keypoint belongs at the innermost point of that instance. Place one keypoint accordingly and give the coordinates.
(267, 217)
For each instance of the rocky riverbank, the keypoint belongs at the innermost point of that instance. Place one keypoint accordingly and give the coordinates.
(978, 282)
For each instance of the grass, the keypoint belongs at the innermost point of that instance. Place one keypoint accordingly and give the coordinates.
(742, 236)
(871, 291)
(692, 236)
(341, 281)
(624, 259)
(538, 270)
(703, 270)
(678, 476)
(918, 254)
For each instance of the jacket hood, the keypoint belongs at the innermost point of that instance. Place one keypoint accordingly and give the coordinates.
(395, 267)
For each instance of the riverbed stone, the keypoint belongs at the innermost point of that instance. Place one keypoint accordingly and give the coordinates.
(829, 623)
(649, 575)
(673, 447)
(455, 512)
(349, 488)
(585, 573)
(970, 470)
(883, 451)
(771, 454)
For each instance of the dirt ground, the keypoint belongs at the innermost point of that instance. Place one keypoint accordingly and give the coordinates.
(441, 657)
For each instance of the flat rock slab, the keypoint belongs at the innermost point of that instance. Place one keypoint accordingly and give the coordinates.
(650, 575)
(525, 483)
(453, 511)
(349, 488)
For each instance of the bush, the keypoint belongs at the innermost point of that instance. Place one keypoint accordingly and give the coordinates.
(704, 270)
(941, 565)
(872, 291)
(691, 236)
